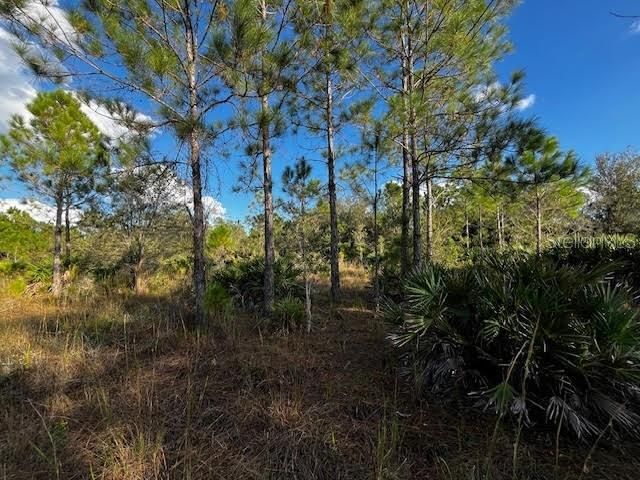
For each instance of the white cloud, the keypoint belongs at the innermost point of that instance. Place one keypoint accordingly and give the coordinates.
(102, 119)
(16, 84)
(170, 190)
(48, 15)
(635, 27)
(109, 123)
(17, 90)
(214, 210)
(176, 192)
(39, 211)
(180, 193)
(526, 102)
(485, 93)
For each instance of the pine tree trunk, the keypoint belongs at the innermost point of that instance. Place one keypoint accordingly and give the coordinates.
(499, 226)
(376, 233)
(269, 248)
(417, 228)
(333, 209)
(408, 89)
(67, 232)
(199, 278)
(466, 229)
(305, 265)
(429, 198)
(405, 261)
(538, 222)
(56, 287)
(199, 281)
(376, 249)
(415, 168)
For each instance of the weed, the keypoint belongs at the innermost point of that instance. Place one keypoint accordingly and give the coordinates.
(388, 464)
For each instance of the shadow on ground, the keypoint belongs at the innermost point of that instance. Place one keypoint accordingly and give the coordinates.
(121, 389)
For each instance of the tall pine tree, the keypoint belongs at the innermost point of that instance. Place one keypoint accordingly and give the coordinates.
(152, 52)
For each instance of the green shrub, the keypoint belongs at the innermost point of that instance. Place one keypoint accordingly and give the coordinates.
(17, 286)
(623, 252)
(288, 314)
(546, 342)
(391, 281)
(244, 280)
(40, 273)
(10, 267)
(22, 277)
(217, 299)
(178, 263)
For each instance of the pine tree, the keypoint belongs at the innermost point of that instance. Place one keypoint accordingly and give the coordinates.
(541, 165)
(257, 59)
(303, 190)
(52, 152)
(139, 207)
(364, 179)
(330, 33)
(155, 51)
(435, 56)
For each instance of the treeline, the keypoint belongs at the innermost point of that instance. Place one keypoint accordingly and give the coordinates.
(137, 227)
(414, 81)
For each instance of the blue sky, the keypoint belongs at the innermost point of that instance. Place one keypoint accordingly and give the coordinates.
(582, 65)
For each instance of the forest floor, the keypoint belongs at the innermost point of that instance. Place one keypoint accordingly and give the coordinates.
(116, 388)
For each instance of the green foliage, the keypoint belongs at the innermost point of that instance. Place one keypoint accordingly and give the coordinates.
(21, 276)
(17, 286)
(288, 314)
(303, 192)
(622, 253)
(58, 145)
(391, 281)
(39, 273)
(529, 337)
(387, 449)
(217, 300)
(225, 241)
(143, 228)
(178, 263)
(59, 153)
(22, 238)
(10, 267)
(541, 160)
(616, 193)
(244, 280)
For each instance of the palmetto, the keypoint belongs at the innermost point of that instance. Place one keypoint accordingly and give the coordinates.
(548, 343)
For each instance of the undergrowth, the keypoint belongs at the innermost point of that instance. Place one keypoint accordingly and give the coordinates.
(113, 387)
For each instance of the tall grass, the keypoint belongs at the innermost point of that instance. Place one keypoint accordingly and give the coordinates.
(110, 386)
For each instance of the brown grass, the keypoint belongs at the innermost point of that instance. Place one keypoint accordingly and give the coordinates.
(118, 388)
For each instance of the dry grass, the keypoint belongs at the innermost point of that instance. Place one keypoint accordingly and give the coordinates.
(118, 388)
